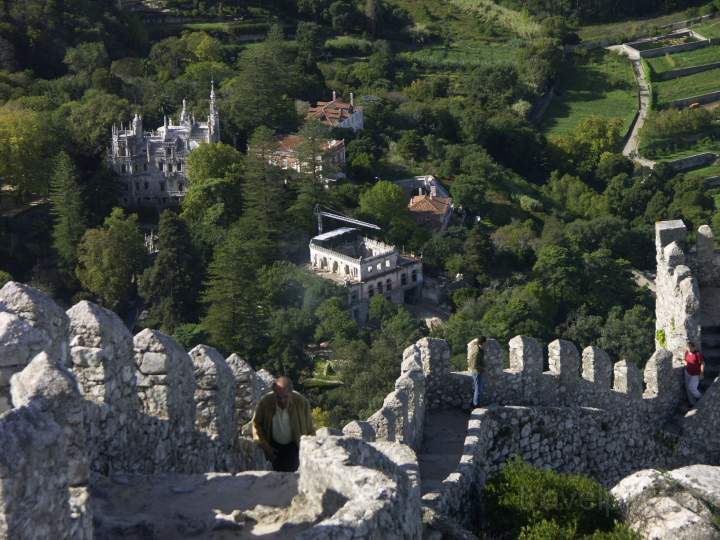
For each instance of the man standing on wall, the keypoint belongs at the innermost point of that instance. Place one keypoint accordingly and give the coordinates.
(476, 367)
(694, 368)
(281, 418)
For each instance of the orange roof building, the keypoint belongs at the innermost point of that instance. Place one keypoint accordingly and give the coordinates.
(286, 156)
(338, 113)
(431, 211)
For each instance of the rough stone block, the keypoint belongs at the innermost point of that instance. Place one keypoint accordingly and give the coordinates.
(628, 379)
(597, 367)
(214, 394)
(526, 356)
(667, 232)
(564, 361)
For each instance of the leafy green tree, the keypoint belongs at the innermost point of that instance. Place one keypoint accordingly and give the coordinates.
(559, 270)
(580, 151)
(210, 207)
(67, 209)
(478, 254)
(572, 195)
(289, 329)
(345, 16)
(334, 321)
(383, 202)
(381, 309)
(527, 310)
(309, 43)
(211, 160)
(25, 144)
(110, 257)
(607, 281)
(170, 286)
(411, 146)
(266, 77)
(494, 85)
(89, 121)
(236, 317)
(84, 59)
(521, 498)
(629, 334)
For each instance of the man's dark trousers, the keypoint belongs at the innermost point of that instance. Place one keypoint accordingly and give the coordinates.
(287, 457)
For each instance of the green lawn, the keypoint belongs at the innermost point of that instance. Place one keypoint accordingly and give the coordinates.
(710, 29)
(603, 85)
(684, 87)
(698, 57)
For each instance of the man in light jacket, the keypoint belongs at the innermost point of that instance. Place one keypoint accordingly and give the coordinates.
(281, 418)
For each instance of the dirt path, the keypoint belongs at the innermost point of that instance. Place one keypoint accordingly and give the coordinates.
(633, 144)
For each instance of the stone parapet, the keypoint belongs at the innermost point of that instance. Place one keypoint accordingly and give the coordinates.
(677, 304)
(366, 490)
(86, 396)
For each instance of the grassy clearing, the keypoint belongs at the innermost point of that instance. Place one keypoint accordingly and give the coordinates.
(706, 172)
(684, 87)
(518, 22)
(627, 30)
(698, 57)
(461, 55)
(710, 29)
(602, 84)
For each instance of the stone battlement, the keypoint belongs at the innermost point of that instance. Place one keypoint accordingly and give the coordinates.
(80, 396)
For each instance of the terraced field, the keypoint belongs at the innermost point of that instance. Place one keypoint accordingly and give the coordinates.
(684, 87)
(710, 29)
(705, 172)
(682, 150)
(628, 30)
(698, 57)
(601, 85)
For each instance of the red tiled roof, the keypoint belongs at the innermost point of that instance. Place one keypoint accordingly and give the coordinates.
(331, 113)
(289, 144)
(428, 209)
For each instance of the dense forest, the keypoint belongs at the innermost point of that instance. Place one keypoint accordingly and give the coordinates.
(548, 232)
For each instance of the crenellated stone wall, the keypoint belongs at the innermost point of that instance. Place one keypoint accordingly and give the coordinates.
(402, 415)
(82, 395)
(677, 304)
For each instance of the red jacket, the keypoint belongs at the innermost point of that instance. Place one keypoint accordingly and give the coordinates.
(693, 361)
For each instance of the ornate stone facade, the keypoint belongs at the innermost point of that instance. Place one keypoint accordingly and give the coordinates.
(152, 165)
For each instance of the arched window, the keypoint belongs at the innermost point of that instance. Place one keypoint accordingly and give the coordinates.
(388, 284)
(379, 285)
(414, 276)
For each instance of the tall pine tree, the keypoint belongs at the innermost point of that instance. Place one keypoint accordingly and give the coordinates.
(236, 317)
(170, 286)
(263, 194)
(67, 211)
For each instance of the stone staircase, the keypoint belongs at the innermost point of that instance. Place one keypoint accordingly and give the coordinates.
(711, 351)
(443, 440)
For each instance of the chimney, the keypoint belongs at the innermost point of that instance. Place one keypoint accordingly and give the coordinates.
(334, 95)
(433, 191)
(352, 99)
